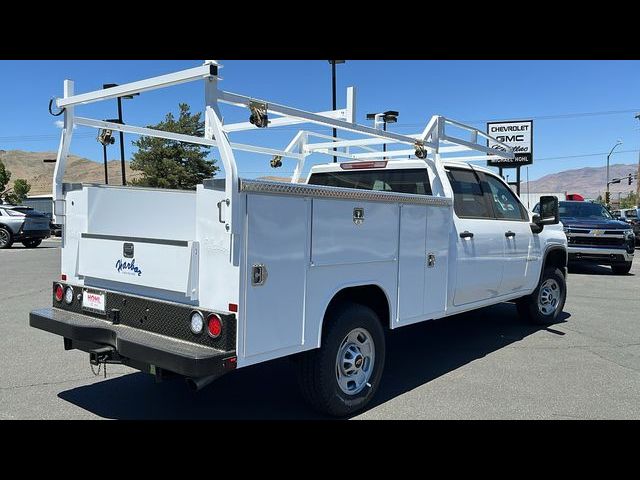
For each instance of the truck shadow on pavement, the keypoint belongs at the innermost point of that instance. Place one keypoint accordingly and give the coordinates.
(593, 269)
(415, 356)
(16, 246)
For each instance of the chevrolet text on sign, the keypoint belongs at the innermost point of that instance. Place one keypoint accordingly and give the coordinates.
(518, 135)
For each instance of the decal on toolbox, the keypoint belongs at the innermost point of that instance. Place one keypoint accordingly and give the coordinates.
(128, 268)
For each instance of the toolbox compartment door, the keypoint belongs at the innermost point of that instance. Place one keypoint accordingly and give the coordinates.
(156, 263)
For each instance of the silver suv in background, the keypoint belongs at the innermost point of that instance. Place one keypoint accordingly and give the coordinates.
(22, 224)
(632, 217)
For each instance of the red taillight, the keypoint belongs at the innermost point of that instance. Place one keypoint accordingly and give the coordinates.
(233, 307)
(361, 165)
(63, 277)
(214, 325)
(59, 292)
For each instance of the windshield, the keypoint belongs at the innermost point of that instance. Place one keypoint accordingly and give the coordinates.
(583, 210)
(631, 214)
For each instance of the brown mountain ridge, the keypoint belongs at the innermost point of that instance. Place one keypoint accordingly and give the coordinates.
(30, 166)
(588, 181)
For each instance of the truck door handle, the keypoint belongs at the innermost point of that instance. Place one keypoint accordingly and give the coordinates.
(225, 202)
(466, 234)
(509, 234)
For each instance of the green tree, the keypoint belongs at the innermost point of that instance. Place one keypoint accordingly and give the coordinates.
(5, 176)
(169, 163)
(629, 201)
(15, 195)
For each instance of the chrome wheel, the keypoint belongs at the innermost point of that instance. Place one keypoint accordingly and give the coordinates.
(355, 361)
(4, 237)
(549, 297)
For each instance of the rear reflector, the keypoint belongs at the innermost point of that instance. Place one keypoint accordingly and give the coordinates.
(59, 292)
(68, 295)
(197, 323)
(214, 325)
(230, 363)
(362, 165)
(233, 307)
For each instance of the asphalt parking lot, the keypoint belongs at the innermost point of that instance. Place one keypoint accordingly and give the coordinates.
(481, 365)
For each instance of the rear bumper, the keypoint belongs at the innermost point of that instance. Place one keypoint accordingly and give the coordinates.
(32, 235)
(178, 356)
(600, 255)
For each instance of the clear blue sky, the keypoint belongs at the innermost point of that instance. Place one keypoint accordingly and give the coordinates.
(469, 91)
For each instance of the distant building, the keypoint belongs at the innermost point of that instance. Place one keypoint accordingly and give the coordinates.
(41, 203)
(529, 200)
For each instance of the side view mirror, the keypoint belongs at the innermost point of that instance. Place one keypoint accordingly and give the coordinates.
(549, 214)
(549, 211)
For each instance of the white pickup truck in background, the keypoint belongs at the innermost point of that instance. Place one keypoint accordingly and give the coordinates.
(253, 270)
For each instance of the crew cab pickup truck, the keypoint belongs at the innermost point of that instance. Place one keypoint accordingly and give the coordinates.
(595, 236)
(318, 271)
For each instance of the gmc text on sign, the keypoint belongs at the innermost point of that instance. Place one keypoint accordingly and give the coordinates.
(518, 135)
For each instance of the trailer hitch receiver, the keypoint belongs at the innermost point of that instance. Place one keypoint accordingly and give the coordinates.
(102, 355)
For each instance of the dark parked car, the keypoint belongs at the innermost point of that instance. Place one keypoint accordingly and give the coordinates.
(22, 224)
(56, 229)
(594, 235)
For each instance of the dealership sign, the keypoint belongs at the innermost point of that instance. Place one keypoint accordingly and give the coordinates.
(517, 135)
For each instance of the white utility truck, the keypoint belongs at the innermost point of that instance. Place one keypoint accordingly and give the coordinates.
(249, 271)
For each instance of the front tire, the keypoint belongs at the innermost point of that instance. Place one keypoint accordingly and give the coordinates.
(6, 239)
(544, 305)
(32, 243)
(342, 376)
(621, 269)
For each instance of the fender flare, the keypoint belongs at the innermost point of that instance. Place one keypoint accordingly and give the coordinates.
(554, 248)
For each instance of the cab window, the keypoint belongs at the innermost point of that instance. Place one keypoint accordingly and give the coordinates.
(409, 180)
(469, 200)
(506, 205)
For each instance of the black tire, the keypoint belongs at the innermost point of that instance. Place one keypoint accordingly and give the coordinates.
(6, 239)
(528, 307)
(33, 243)
(621, 269)
(317, 369)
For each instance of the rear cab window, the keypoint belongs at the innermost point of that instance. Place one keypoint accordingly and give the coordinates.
(413, 181)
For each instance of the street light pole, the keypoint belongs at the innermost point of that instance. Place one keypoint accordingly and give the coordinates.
(384, 145)
(638, 177)
(390, 116)
(121, 134)
(333, 95)
(121, 137)
(104, 157)
(618, 143)
(105, 138)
